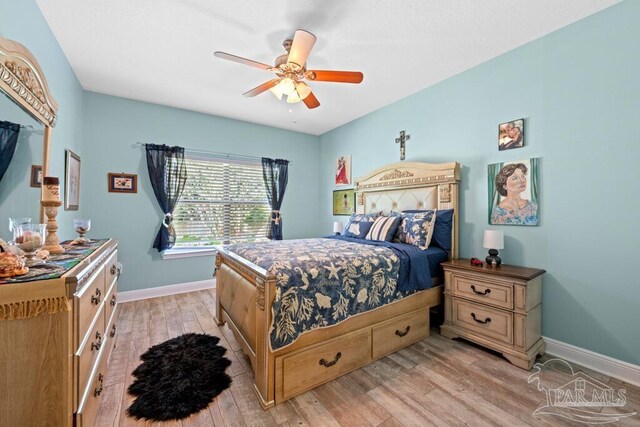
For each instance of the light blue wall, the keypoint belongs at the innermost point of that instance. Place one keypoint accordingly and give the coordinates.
(22, 21)
(579, 91)
(112, 127)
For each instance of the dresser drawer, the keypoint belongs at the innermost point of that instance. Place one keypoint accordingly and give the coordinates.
(110, 303)
(394, 335)
(485, 292)
(86, 356)
(90, 403)
(87, 302)
(490, 322)
(111, 270)
(310, 368)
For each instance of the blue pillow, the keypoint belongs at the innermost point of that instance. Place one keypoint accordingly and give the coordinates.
(417, 228)
(357, 229)
(443, 228)
(384, 228)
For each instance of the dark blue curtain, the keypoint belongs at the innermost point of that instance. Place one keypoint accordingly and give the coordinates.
(8, 141)
(275, 174)
(168, 174)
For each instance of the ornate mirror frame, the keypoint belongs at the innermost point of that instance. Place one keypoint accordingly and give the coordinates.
(23, 81)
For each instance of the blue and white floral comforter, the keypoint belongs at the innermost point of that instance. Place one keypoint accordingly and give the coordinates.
(321, 282)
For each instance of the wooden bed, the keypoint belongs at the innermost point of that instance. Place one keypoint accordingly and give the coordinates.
(245, 293)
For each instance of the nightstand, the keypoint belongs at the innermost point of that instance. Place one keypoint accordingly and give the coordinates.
(496, 307)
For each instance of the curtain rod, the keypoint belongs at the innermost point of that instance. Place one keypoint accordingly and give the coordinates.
(213, 153)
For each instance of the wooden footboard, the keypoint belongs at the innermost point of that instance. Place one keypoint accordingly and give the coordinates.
(245, 293)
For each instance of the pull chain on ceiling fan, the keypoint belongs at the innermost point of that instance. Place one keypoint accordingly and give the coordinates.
(291, 71)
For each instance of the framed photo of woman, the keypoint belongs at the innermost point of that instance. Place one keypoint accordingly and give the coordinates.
(514, 193)
(511, 135)
(343, 170)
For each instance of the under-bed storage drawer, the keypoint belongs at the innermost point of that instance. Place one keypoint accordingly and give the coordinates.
(487, 293)
(317, 365)
(490, 322)
(398, 333)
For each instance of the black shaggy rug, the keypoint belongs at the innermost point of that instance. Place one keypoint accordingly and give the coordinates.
(178, 377)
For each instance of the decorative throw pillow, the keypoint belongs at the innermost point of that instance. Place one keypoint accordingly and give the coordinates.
(384, 228)
(442, 229)
(417, 228)
(359, 225)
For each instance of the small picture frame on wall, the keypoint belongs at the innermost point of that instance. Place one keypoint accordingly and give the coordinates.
(36, 176)
(511, 135)
(71, 181)
(344, 202)
(123, 183)
(343, 170)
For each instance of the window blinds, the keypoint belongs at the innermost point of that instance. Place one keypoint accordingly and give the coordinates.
(224, 201)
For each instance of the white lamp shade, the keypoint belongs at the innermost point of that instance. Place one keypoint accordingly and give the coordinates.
(493, 239)
(337, 226)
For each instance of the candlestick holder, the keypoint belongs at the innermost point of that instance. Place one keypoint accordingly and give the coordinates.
(52, 243)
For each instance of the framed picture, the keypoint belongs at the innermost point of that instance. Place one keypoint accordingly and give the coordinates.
(344, 202)
(123, 183)
(343, 170)
(71, 181)
(514, 193)
(36, 176)
(511, 135)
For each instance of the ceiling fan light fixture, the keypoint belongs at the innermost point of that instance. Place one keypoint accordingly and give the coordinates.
(293, 97)
(303, 90)
(287, 86)
(277, 91)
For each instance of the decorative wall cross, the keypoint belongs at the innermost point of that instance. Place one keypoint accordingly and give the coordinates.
(404, 137)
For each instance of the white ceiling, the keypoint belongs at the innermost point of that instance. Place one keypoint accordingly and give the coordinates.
(161, 51)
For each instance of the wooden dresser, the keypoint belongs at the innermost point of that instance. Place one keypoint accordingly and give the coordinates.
(56, 336)
(497, 307)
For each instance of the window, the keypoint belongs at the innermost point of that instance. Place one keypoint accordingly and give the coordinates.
(224, 201)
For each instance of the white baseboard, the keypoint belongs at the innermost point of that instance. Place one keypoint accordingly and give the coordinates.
(163, 291)
(627, 372)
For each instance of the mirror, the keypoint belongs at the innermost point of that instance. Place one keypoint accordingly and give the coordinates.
(17, 197)
(27, 102)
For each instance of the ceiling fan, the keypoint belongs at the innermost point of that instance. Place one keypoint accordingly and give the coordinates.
(291, 71)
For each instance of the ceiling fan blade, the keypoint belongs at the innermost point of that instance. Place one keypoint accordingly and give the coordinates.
(240, 60)
(263, 87)
(334, 76)
(303, 42)
(311, 101)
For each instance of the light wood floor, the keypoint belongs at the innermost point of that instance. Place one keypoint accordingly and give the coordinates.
(434, 382)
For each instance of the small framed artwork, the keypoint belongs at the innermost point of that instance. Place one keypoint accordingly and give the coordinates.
(514, 193)
(36, 176)
(123, 183)
(343, 170)
(344, 202)
(71, 181)
(511, 135)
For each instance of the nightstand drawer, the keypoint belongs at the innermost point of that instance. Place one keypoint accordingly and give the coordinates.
(490, 322)
(484, 292)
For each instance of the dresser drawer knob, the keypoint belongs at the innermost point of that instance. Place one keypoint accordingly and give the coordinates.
(403, 333)
(96, 345)
(113, 300)
(484, 322)
(113, 331)
(95, 299)
(485, 292)
(329, 364)
(98, 390)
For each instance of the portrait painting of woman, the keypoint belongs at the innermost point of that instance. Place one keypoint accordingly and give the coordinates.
(513, 193)
(343, 170)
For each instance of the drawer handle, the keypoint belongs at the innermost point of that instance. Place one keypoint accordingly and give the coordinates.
(95, 299)
(484, 322)
(328, 364)
(113, 300)
(406, 331)
(486, 291)
(113, 331)
(96, 345)
(98, 390)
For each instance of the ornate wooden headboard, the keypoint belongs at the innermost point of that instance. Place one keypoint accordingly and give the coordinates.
(411, 185)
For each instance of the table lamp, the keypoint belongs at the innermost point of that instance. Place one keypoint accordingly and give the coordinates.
(337, 227)
(493, 240)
